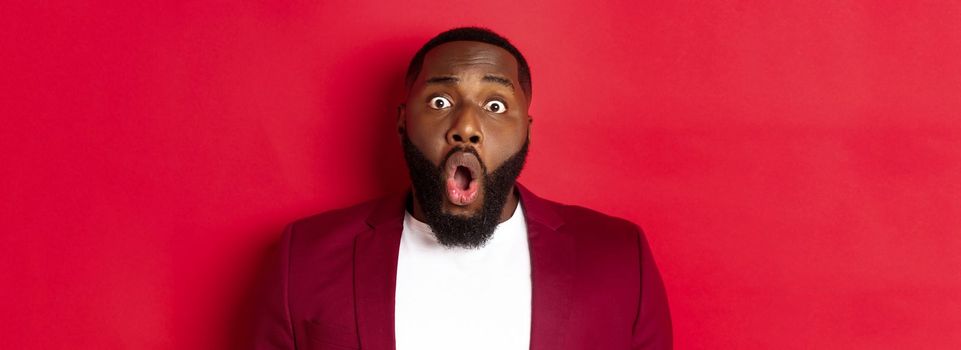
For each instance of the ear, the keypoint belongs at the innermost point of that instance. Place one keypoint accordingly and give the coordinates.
(530, 124)
(401, 118)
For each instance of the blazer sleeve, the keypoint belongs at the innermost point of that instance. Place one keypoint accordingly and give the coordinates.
(652, 327)
(270, 323)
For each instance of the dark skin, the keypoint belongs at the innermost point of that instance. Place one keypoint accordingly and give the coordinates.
(467, 93)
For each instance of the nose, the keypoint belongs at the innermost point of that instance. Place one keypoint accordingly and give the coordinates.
(466, 127)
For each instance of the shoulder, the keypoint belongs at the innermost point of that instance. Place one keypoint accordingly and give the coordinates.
(335, 219)
(595, 230)
(579, 218)
(331, 229)
(585, 224)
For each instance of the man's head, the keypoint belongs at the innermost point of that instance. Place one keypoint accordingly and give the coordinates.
(465, 131)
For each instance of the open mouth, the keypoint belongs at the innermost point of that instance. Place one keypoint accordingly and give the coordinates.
(462, 170)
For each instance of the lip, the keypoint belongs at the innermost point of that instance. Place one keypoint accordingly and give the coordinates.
(456, 194)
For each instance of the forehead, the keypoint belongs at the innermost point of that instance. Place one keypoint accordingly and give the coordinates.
(460, 56)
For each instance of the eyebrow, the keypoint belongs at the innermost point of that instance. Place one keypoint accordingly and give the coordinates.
(448, 79)
(500, 80)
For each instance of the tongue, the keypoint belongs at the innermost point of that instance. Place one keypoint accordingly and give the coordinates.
(462, 177)
(461, 188)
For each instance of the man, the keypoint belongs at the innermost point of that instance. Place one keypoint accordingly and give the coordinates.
(468, 259)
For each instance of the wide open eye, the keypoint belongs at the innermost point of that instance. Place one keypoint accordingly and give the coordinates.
(496, 106)
(439, 102)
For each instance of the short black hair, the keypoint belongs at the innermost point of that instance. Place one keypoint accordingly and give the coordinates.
(478, 34)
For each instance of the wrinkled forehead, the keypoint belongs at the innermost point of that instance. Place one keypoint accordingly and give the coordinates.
(465, 57)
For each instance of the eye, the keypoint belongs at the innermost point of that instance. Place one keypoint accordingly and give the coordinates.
(439, 102)
(496, 106)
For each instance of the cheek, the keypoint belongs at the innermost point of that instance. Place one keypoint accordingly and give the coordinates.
(500, 153)
(427, 141)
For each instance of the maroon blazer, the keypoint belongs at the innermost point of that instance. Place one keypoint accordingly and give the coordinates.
(331, 285)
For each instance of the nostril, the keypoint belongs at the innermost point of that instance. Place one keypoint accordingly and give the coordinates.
(458, 138)
(475, 139)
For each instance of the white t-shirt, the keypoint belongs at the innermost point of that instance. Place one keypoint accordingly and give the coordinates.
(456, 298)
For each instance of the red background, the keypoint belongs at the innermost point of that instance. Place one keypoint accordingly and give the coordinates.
(796, 165)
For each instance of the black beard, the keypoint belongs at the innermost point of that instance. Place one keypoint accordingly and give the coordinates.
(429, 187)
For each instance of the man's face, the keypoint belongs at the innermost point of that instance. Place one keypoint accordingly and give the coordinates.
(466, 114)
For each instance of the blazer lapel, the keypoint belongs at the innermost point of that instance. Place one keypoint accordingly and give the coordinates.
(375, 274)
(552, 254)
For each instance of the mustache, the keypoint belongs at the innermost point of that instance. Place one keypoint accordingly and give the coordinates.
(465, 149)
